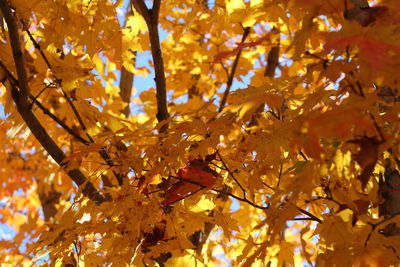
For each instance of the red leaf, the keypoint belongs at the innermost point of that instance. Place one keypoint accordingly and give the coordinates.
(201, 176)
(374, 52)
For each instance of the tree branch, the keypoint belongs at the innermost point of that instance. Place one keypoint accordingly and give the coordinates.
(37, 46)
(126, 79)
(17, 54)
(125, 89)
(232, 74)
(272, 64)
(241, 199)
(56, 153)
(102, 152)
(231, 174)
(45, 110)
(151, 18)
(58, 121)
(141, 7)
(156, 9)
(20, 98)
(310, 215)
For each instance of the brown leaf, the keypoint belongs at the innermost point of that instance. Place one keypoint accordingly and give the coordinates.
(366, 157)
(365, 16)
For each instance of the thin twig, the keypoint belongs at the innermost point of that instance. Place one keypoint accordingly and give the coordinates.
(222, 192)
(40, 92)
(60, 122)
(272, 113)
(268, 186)
(279, 176)
(225, 69)
(312, 216)
(103, 153)
(233, 70)
(231, 174)
(304, 219)
(219, 167)
(303, 156)
(37, 46)
(43, 108)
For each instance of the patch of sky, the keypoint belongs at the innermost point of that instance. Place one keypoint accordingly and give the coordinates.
(6, 232)
(235, 206)
(3, 116)
(330, 26)
(19, 192)
(143, 59)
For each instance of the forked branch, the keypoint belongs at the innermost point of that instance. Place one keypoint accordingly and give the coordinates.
(103, 153)
(151, 18)
(14, 83)
(20, 94)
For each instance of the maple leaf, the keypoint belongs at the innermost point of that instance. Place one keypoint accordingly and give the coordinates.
(199, 176)
(375, 52)
(366, 157)
(277, 87)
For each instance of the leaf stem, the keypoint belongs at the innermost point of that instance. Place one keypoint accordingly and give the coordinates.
(231, 174)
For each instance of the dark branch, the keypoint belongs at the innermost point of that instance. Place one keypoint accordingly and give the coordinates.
(312, 216)
(126, 79)
(17, 55)
(272, 64)
(231, 174)
(20, 97)
(151, 18)
(141, 7)
(46, 111)
(102, 152)
(233, 70)
(156, 8)
(57, 120)
(37, 46)
(245, 200)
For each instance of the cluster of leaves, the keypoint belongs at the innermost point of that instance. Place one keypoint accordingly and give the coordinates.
(271, 136)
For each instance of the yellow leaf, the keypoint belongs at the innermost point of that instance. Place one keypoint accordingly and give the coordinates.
(286, 253)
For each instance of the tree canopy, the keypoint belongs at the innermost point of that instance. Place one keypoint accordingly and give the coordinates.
(199, 133)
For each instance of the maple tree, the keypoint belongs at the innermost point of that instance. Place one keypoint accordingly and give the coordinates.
(270, 136)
